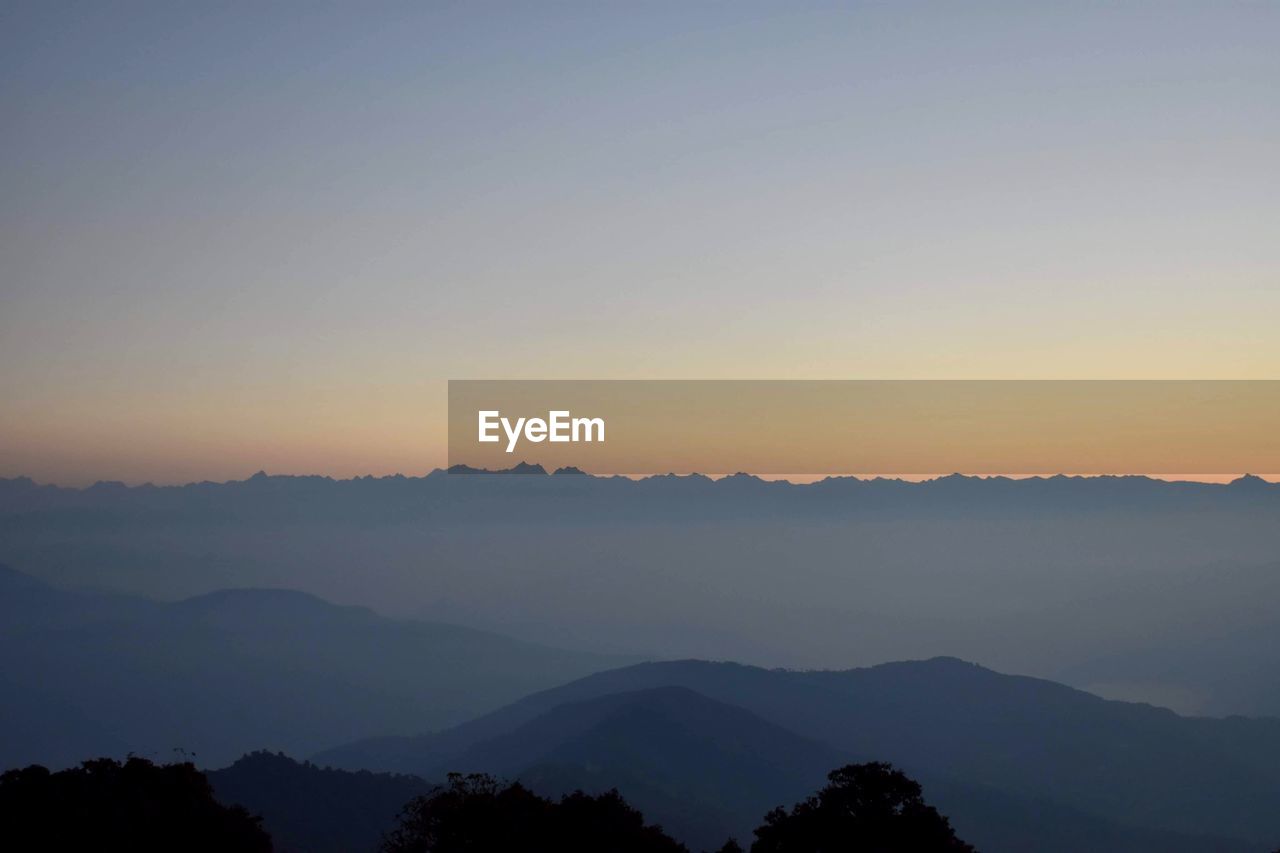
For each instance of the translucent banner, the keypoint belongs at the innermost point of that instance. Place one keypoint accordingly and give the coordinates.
(770, 427)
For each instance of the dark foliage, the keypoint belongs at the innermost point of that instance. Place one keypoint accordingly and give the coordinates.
(479, 814)
(866, 807)
(136, 806)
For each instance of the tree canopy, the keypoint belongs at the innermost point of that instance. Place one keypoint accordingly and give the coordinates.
(864, 807)
(478, 813)
(108, 805)
(147, 808)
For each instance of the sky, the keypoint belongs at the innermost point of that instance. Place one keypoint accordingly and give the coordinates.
(244, 236)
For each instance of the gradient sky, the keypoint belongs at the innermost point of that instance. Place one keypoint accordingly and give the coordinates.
(238, 236)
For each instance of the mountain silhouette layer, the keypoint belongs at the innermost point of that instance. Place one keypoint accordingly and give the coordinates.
(89, 674)
(1129, 587)
(569, 490)
(983, 738)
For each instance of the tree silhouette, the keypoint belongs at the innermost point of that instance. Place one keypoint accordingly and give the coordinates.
(866, 807)
(136, 806)
(479, 814)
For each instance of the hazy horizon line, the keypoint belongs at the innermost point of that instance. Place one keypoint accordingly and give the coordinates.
(1272, 478)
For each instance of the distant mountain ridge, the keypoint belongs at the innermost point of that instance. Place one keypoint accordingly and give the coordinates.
(880, 569)
(90, 674)
(29, 485)
(569, 490)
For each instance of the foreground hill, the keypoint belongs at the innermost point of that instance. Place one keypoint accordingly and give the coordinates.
(706, 770)
(702, 769)
(88, 674)
(307, 809)
(1003, 755)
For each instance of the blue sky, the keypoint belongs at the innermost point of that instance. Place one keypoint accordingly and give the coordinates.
(241, 236)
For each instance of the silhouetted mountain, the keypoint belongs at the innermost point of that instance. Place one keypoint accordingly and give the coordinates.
(661, 496)
(702, 769)
(307, 809)
(90, 675)
(982, 743)
(1251, 482)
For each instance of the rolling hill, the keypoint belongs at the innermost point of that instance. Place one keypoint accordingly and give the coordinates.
(996, 752)
(307, 809)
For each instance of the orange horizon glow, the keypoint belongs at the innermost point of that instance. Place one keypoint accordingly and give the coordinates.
(795, 479)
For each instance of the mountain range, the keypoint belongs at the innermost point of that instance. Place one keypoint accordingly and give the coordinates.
(1129, 587)
(88, 674)
(573, 493)
(704, 748)
(1017, 763)
(196, 621)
